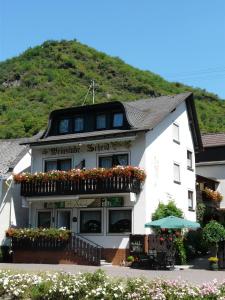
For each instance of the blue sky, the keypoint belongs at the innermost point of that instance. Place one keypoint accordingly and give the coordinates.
(182, 40)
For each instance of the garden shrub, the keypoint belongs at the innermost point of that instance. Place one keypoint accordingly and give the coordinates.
(181, 257)
(166, 210)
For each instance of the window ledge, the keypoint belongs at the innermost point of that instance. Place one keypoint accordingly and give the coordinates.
(177, 182)
(191, 209)
(190, 169)
(177, 142)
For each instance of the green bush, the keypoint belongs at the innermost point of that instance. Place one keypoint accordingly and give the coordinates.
(130, 258)
(166, 210)
(181, 257)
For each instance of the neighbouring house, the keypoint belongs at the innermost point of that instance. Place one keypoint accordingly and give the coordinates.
(159, 135)
(14, 158)
(210, 165)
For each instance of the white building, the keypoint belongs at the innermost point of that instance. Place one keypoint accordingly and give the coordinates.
(211, 162)
(159, 135)
(14, 158)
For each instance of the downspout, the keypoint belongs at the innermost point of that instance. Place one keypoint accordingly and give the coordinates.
(9, 182)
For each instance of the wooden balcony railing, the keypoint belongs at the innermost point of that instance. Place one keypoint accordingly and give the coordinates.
(115, 184)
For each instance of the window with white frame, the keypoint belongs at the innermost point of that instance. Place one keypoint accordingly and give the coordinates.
(176, 133)
(189, 160)
(90, 221)
(190, 200)
(176, 172)
(119, 221)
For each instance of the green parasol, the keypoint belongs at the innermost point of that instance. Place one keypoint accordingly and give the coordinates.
(172, 222)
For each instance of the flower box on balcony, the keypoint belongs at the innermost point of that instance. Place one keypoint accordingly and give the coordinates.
(93, 181)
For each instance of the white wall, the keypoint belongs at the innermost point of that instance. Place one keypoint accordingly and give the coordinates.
(11, 211)
(161, 153)
(216, 171)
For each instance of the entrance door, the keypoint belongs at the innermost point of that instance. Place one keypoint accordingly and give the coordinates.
(64, 219)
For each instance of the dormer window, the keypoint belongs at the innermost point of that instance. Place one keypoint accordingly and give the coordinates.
(79, 124)
(63, 126)
(118, 120)
(101, 121)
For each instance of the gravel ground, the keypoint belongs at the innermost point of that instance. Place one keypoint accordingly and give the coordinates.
(196, 276)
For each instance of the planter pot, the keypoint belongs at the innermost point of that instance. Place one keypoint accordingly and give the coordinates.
(213, 266)
(128, 263)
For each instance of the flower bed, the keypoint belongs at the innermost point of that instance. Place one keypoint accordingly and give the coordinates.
(99, 286)
(76, 174)
(37, 233)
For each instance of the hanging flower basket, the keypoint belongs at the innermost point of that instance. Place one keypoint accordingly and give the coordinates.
(213, 195)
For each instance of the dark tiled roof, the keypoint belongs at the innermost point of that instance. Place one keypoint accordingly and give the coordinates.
(10, 154)
(213, 139)
(142, 115)
(147, 113)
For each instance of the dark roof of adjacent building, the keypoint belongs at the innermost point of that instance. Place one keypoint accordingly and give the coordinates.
(213, 139)
(11, 152)
(214, 149)
(142, 115)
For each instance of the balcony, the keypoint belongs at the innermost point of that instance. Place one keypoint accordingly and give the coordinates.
(119, 179)
(115, 184)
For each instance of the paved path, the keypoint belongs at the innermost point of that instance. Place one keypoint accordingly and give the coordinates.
(195, 276)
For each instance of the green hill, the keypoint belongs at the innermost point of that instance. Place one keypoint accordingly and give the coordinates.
(58, 74)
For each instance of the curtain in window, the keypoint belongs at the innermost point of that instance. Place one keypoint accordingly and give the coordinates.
(122, 160)
(176, 171)
(50, 165)
(65, 164)
(64, 126)
(79, 124)
(101, 122)
(105, 162)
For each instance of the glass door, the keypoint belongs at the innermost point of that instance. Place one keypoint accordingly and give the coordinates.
(64, 219)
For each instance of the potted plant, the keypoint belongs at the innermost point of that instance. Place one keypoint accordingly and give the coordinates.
(213, 233)
(213, 263)
(130, 260)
